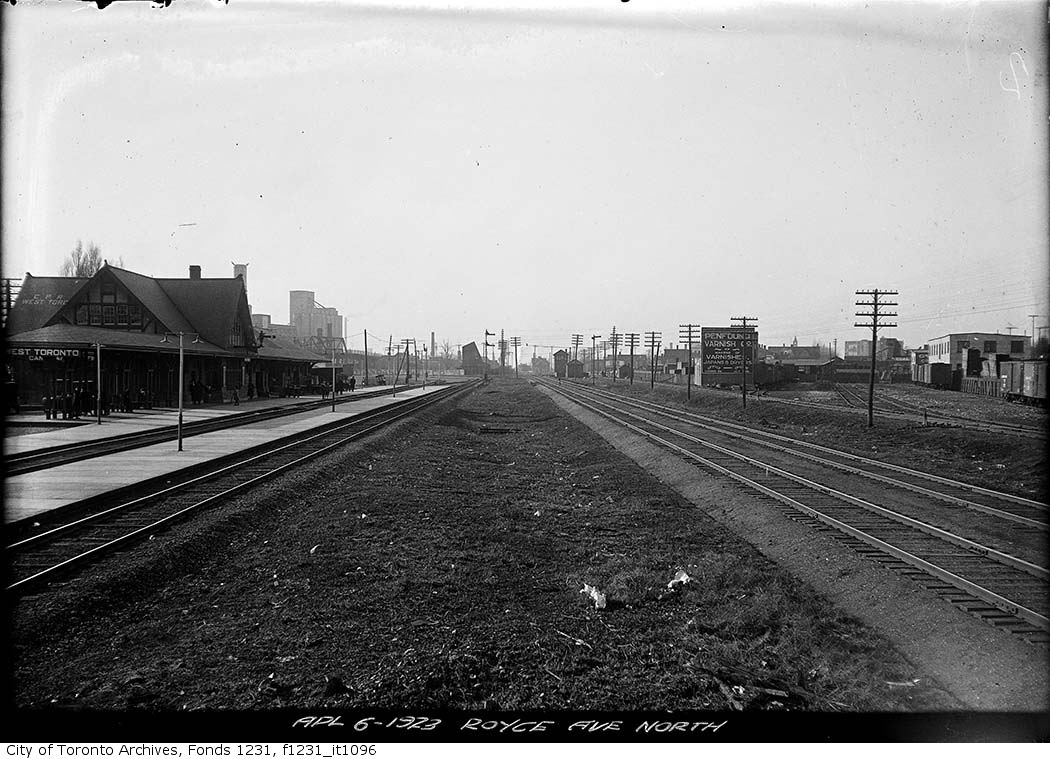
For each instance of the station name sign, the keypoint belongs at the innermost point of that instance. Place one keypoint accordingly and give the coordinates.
(722, 349)
(40, 354)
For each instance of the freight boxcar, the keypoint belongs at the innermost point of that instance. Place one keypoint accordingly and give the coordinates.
(1024, 381)
(935, 375)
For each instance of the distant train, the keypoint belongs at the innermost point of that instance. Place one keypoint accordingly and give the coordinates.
(1023, 381)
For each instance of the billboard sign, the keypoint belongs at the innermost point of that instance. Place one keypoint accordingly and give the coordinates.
(722, 349)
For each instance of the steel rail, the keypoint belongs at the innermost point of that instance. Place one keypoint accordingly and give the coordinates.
(715, 424)
(950, 537)
(1000, 602)
(409, 407)
(266, 450)
(1038, 505)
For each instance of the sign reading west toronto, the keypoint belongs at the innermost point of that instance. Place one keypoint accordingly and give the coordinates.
(723, 348)
(39, 354)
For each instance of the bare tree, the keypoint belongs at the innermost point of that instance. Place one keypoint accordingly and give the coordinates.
(82, 263)
(448, 354)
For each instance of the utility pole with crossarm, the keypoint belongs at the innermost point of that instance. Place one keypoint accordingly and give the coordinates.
(874, 304)
(594, 356)
(631, 338)
(652, 340)
(515, 343)
(614, 341)
(745, 344)
(687, 332)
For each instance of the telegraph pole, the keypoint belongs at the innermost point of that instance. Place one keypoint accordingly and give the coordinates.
(614, 339)
(687, 332)
(631, 338)
(576, 340)
(874, 304)
(408, 358)
(594, 356)
(502, 353)
(652, 339)
(366, 358)
(743, 353)
(515, 343)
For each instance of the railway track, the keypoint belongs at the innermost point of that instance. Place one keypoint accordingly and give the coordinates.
(44, 553)
(46, 458)
(818, 486)
(853, 402)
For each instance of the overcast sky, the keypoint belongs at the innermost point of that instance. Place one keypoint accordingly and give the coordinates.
(543, 168)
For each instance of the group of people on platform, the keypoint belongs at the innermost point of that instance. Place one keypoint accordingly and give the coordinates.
(80, 400)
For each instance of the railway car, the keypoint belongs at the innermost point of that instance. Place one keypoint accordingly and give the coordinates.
(1024, 381)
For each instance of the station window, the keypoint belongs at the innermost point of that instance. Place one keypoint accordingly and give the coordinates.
(122, 314)
(990, 346)
(1017, 346)
(109, 292)
(134, 315)
(109, 315)
(236, 338)
(95, 313)
(82, 314)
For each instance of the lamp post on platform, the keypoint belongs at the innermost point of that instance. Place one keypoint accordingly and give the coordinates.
(98, 381)
(180, 335)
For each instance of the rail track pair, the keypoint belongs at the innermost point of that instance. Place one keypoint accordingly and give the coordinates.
(982, 550)
(51, 548)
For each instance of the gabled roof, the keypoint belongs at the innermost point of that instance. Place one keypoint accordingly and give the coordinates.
(39, 300)
(214, 303)
(149, 292)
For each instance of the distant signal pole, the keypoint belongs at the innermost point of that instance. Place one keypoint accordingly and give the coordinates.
(487, 346)
(614, 340)
(652, 339)
(743, 353)
(631, 338)
(687, 332)
(874, 304)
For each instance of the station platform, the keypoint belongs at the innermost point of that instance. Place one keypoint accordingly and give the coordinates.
(29, 495)
(34, 433)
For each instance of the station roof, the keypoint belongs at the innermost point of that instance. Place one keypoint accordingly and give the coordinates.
(73, 335)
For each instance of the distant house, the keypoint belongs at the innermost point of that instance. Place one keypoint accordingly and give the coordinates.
(575, 369)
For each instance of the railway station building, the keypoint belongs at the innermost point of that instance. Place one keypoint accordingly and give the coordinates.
(59, 327)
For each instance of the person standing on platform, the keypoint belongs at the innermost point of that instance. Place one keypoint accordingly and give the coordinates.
(353, 383)
(46, 401)
(236, 398)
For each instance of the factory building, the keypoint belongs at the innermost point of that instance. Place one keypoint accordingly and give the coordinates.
(967, 351)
